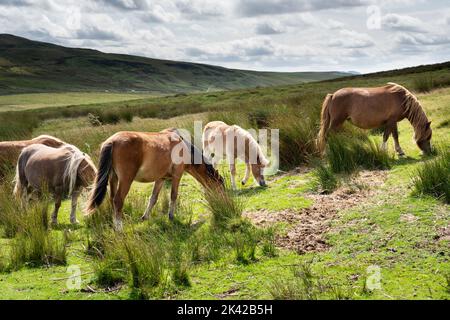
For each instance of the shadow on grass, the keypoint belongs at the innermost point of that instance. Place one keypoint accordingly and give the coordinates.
(248, 192)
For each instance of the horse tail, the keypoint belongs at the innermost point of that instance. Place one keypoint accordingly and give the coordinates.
(324, 123)
(20, 180)
(101, 181)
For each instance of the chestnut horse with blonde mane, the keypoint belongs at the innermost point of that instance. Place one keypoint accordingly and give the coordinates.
(370, 108)
(148, 157)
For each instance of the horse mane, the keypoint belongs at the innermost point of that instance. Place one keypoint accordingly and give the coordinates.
(413, 109)
(71, 170)
(252, 144)
(196, 153)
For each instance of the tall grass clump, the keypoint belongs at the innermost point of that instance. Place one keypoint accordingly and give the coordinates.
(34, 244)
(297, 133)
(305, 285)
(346, 152)
(433, 177)
(224, 206)
(424, 83)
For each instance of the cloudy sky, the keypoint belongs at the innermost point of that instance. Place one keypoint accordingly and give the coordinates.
(275, 35)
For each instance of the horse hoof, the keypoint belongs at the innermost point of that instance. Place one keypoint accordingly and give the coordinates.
(75, 222)
(243, 182)
(144, 218)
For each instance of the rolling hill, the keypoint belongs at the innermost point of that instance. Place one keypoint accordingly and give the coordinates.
(31, 66)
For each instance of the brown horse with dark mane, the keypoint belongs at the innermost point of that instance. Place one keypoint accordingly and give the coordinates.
(148, 157)
(370, 108)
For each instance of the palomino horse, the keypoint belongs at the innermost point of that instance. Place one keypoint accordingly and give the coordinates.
(221, 140)
(10, 150)
(63, 171)
(147, 157)
(369, 108)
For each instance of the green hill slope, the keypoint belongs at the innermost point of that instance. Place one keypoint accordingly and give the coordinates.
(31, 66)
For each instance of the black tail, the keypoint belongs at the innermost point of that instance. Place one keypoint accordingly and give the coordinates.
(101, 181)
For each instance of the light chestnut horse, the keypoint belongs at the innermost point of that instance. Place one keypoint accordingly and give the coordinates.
(10, 150)
(369, 108)
(148, 157)
(231, 142)
(63, 171)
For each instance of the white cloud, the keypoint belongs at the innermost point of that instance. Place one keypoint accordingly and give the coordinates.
(352, 40)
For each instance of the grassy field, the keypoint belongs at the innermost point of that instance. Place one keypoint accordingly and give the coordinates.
(327, 246)
(15, 102)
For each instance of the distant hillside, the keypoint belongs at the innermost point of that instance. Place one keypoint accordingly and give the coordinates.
(31, 66)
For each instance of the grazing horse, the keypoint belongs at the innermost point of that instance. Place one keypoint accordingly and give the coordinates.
(10, 150)
(63, 171)
(369, 108)
(148, 157)
(222, 141)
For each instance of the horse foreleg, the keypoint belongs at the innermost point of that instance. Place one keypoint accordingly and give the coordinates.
(73, 211)
(174, 195)
(247, 174)
(55, 211)
(397, 144)
(386, 134)
(152, 200)
(233, 174)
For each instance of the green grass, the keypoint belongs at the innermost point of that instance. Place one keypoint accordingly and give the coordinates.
(17, 102)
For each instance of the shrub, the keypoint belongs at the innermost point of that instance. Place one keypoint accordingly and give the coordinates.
(433, 177)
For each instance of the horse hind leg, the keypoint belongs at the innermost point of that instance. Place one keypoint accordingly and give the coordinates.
(119, 198)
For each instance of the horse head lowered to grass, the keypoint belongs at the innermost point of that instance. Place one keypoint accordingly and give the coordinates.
(370, 108)
(148, 157)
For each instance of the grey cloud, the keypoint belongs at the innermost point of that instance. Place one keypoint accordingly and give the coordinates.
(266, 28)
(199, 10)
(403, 23)
(16, 3)
(95, 33)
(127, 4)
(263, 7)
(422, 40)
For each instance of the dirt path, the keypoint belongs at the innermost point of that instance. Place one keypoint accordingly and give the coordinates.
(308, 226)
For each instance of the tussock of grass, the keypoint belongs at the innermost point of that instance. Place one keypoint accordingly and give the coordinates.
(433, 177)
(34, 244)
(348, 152)
(305, 285)
(427, 82)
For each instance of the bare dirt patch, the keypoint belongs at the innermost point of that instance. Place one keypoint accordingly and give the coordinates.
(309, 226)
